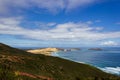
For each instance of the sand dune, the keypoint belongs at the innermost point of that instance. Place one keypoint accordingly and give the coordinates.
(45, 51)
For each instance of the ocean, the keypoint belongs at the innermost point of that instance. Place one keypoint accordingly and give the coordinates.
(107, 60)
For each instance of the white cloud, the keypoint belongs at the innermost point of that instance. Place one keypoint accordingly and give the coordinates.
(77, 3)
(80, 31)
(50, 5)
(89, 22)
(109, 43)
(118, 23)
(10, 21)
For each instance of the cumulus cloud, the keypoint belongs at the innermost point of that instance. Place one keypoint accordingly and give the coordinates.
(79, 31)
(71, 4)
(109, 43)
(51, 5)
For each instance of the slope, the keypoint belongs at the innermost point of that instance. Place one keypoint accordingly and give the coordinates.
(17, 64)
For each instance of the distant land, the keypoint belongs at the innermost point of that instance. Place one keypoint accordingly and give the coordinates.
(45, 51)
(96, 49)
(16, 64)
(48, 51)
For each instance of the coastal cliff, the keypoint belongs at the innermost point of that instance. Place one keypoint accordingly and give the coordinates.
(16, 64)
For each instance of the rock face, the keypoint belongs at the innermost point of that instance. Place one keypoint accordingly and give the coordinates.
(45, 51)
(95, 49)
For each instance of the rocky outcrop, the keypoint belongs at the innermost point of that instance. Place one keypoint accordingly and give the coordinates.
(96, 49)
(72, 49)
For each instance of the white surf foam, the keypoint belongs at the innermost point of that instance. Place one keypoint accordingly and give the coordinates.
(113, 70)
(55, 54)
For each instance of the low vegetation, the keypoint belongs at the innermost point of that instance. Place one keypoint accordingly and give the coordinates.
(17, 64)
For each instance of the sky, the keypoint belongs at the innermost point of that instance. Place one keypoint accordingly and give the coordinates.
(60, 23)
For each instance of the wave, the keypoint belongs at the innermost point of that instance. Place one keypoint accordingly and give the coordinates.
(55, 54)
(113, 70)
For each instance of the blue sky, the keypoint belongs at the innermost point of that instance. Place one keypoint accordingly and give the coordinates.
(60, 23)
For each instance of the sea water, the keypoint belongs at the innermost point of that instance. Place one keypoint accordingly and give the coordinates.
(108, 59)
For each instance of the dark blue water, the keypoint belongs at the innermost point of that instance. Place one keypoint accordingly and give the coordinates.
(108, 59)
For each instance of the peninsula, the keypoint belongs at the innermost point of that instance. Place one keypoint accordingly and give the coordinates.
(16, 64)
(48, 51)
(44, 51)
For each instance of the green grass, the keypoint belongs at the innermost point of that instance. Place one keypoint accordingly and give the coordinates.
(13, 60)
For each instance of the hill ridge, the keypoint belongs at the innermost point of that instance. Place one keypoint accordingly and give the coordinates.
(14, 60)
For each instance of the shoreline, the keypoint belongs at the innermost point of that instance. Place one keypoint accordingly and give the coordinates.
(111, 70)
(107, 69)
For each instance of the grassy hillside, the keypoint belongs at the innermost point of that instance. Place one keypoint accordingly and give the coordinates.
(16, 64)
